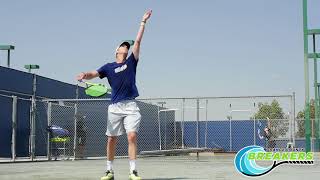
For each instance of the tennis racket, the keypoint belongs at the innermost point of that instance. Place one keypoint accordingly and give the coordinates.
(95, 89)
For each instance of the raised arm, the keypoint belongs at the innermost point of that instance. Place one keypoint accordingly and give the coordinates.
(87, 75)
(136, 46)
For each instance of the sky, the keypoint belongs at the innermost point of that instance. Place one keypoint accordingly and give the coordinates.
(190, 48)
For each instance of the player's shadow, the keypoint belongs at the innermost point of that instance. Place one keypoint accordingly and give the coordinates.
(167, 178)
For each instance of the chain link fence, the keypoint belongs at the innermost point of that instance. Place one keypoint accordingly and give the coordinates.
(300, 134)
(216, 124)
(169, 126)
(15, 125)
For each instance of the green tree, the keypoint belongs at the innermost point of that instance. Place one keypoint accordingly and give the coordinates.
(277, 123)
(301, 119)
(272, 111)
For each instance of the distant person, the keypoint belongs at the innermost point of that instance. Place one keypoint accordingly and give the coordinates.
(267, 134)
(81, 136)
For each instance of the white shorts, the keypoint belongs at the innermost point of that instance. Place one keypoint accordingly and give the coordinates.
(123, 117)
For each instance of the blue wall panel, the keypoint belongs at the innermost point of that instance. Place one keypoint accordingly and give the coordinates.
(23, 128)
(55, 89)
(5, 126)
(17, 82)
(14, 80)
(219, 134)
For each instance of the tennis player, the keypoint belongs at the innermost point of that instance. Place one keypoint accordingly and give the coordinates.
(123, 114)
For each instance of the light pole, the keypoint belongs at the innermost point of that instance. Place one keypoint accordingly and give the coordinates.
(33, 110)
(31, 66)
(7, 48)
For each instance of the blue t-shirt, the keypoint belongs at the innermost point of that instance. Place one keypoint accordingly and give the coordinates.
(122, 79)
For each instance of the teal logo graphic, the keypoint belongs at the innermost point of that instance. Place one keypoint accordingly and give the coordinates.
(245, 159)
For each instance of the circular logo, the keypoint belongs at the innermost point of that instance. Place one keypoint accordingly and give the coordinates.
(249, 167)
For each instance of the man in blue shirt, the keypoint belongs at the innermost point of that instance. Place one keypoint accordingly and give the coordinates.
(123, 114)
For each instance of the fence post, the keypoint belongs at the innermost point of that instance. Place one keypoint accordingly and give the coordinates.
(165, 130)
(206, 131)
(75, 131)
(33, 118)
(14, 127)
(32, 128)
(198, 123)
(230, 129)
(254, 126)
(175, 130)
(159, 128)
(294, 119)
(48, 132)
(182, 124)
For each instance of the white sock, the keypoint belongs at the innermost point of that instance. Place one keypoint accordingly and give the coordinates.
(132, 165)
(109, 165)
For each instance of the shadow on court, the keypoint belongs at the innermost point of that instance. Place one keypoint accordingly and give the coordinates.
(160, 168)
(166, 178)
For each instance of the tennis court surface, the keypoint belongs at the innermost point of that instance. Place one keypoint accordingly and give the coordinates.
(218, 166)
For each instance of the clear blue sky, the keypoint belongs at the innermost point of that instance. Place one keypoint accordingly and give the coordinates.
(190, 48)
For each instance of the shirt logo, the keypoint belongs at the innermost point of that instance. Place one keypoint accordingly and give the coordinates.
(119, 69)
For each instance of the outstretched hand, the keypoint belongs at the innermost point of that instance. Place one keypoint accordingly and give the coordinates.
(80, 76)
(147, 15)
